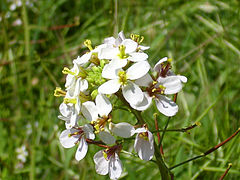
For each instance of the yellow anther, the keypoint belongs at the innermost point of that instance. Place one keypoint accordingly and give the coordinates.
(154, 82)
(109, 120)
(154, 96)
(75, 133)
(102, 129)
(67, 71)
(96, 132)
(97, 127)
(105, 155)
(162, 87)
(141, 40)
(92, 122)
(154, 89)
(59, 92)
(88, 44)
(122, 77)
(69, 100)
(69, 135)
(169, 60)
(143, 136)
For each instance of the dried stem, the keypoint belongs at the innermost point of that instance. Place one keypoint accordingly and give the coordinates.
(179, 130)
(208, 151)
(225, 173)
(158, 134)
(98, 143)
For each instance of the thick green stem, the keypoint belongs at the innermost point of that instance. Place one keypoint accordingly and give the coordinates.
(164, 171)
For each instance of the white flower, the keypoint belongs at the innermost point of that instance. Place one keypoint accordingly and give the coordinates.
(108, 162)
(166, 83)
(98, 114)
(122, 129)
(156, 90)
(144, 144)
(113, 41)
(124, 80)
(69, 114)
(70, 137)
(22, 153)
(74, 82)
(122, 53)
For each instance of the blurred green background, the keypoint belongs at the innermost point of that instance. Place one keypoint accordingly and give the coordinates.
(40, 38)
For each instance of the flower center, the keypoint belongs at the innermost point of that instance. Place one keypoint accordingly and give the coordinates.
(109, 152)
(165, 67)
(144, 135)
(154, 90)
(122, 53)
(100, 123)
(122, 77)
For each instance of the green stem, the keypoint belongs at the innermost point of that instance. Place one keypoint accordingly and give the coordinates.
(164, 171)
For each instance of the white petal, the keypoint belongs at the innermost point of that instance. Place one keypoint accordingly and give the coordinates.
(104, 106)
(63, 118)
(132, 93)
(78, 106)
(157, 67)
(66, 140)
(137, 56)
(140, 130)
(89, 110)
(172, 84)
(108, 53)
(109, 87)
(115, 167)
(110, 70)
(65, 110)
(73, 120)
(166, 106)
(120, 38)
(143, 48)
(182, 78)
(83, 85)
(109, 40)
(106, 137)
(81, 150)
(146, 102)
(138, 70)
(123, 129)
(101, 164)
(88, 131)
(130, 45)
(70, 81)
(144, 147)
(83, 59)
(145, 81)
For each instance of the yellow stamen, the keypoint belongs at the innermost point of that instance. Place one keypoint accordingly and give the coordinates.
(88, 44)
(59, 92)
(69, 100)
(67, 71)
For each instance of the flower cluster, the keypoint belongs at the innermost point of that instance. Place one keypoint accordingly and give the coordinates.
(116, 68)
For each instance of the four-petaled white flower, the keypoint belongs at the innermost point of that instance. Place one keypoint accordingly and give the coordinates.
(107, 162)
(97, 114)
(121, 54)
(125, 80)
(70, 137)
(144, 144)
